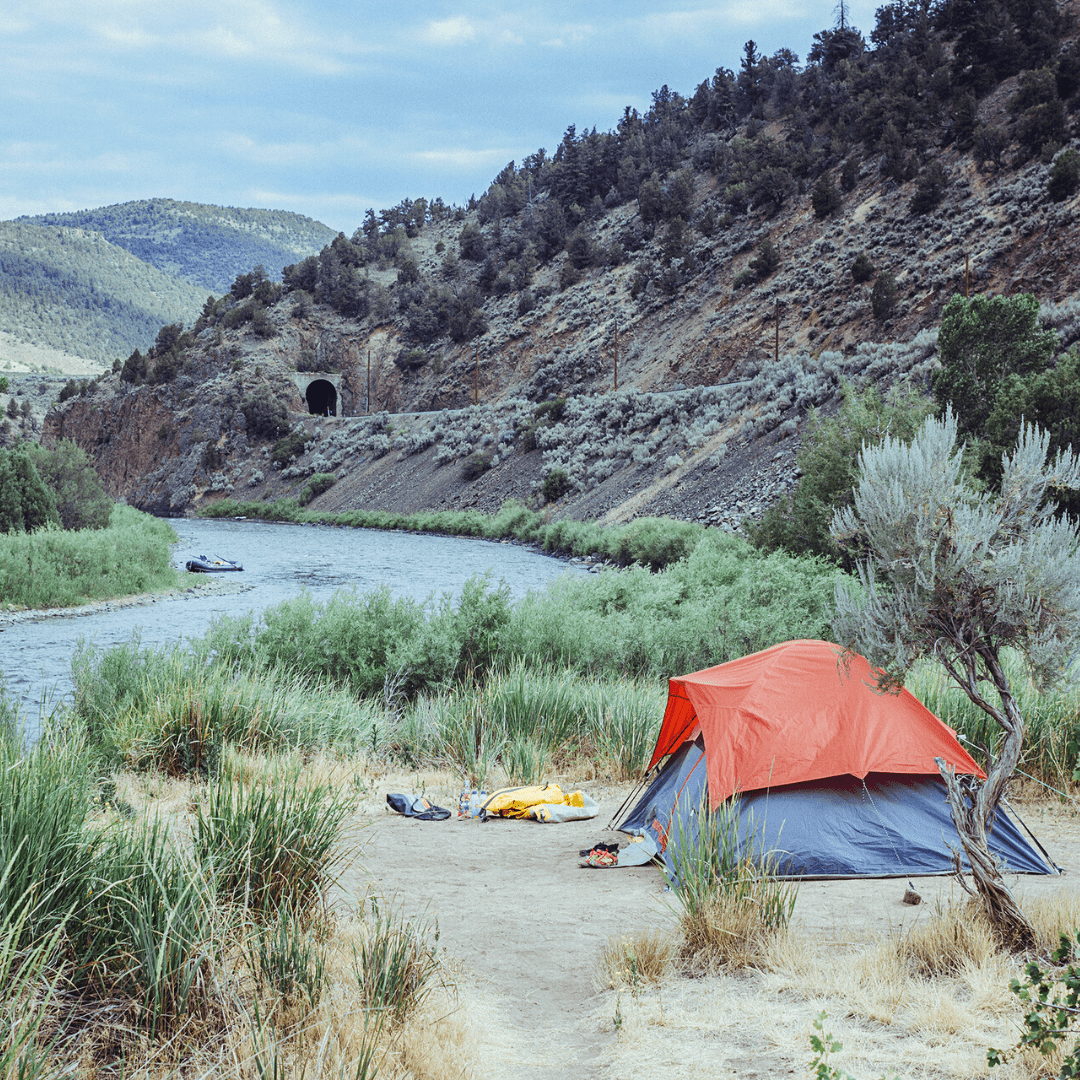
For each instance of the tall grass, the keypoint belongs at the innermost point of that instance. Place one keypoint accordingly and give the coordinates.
(53, 568)
(273, 843)
(1052, 740)
(733, 906)
(47, 860)
(171, 710)
(396, 962)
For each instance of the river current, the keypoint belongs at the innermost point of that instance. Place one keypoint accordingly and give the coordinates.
(279, 562)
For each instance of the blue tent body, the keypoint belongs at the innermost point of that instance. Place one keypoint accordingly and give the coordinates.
(888, 825)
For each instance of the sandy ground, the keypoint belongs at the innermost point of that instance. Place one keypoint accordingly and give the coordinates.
(523, 925)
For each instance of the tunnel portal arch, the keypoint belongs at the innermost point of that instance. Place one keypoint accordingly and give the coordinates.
(322, 398)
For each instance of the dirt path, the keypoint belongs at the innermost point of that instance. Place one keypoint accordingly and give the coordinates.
(526, 924)
(525, 920)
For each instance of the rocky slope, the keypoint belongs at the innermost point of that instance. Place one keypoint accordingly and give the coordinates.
(715, 376)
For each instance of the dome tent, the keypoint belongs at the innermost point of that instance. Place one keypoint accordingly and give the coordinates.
(826, 776)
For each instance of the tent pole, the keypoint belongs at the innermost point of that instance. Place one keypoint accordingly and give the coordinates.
(1046, 854)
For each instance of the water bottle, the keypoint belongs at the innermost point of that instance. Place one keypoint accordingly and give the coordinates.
(474, 804)
(463, 805)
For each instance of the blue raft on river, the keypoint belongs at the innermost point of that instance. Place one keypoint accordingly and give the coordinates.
(203, 564)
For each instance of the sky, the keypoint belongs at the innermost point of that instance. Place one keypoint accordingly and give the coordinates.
(327, 107)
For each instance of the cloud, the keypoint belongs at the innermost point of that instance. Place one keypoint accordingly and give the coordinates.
(695, 23)
(260, 31)
(463, 157)
(449, 32)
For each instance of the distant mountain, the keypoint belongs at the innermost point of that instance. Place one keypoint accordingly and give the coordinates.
(71, 290)
(205, 245)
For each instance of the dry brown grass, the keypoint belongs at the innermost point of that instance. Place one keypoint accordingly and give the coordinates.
(925, 1000)
(635, 960)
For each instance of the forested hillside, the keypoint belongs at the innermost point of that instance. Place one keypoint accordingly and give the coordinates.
(205, 245)
(73, 291)
(731, 258)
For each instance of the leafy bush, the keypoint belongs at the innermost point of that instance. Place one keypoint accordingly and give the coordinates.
(556, 485)
(884, 295)
(68, 472)
(984, 340)
(53, 568)
(930, 188)
(766, 260)
(288, 447)
(828, 465)
(265, 414)
(825, 197)
(316, 485)
(26, 503)
(1064, 180)
(862, 269)
(476, 464)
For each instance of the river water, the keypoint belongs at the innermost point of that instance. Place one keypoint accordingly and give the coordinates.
(279, 562)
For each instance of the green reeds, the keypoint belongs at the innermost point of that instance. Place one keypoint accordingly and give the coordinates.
(273, 843)
(29, 980)
(46, 858)
(732, 902)
(1052, 739)
(396, 962)
(287, 956)
(167, 709)
(56, 568)
(152, 932)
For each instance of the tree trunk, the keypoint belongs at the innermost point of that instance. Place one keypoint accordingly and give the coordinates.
(1008, 921)
(974, 804)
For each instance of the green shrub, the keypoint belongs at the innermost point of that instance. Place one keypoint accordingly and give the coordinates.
(288, 447)
(265, 414)
(930, 188)
(862, 269)
(316, 485)
(26, 502)
(476, 464)
(53, 568)
(884, 295)
(766, 260)
(1064, 178)
(799, 521)
(556, 485)
(825, 197)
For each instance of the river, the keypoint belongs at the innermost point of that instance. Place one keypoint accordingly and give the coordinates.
(279, 562)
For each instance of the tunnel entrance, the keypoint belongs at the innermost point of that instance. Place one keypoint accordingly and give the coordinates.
(321, 398)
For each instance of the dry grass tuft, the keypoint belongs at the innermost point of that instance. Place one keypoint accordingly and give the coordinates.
(730, 930)
(636, 960)
(956, 938)
(1052, 916)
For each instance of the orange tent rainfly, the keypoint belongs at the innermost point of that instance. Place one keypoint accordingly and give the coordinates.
(828, 776)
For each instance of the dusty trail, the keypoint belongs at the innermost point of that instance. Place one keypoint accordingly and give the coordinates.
(523, 918)
(523, 925)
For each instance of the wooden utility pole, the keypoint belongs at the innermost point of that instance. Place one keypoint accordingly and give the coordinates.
(369, 380)
(967, 275)
(476, 374)
(616, 356)
(776, 350)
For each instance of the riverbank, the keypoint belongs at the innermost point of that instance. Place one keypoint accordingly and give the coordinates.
(195, 585)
